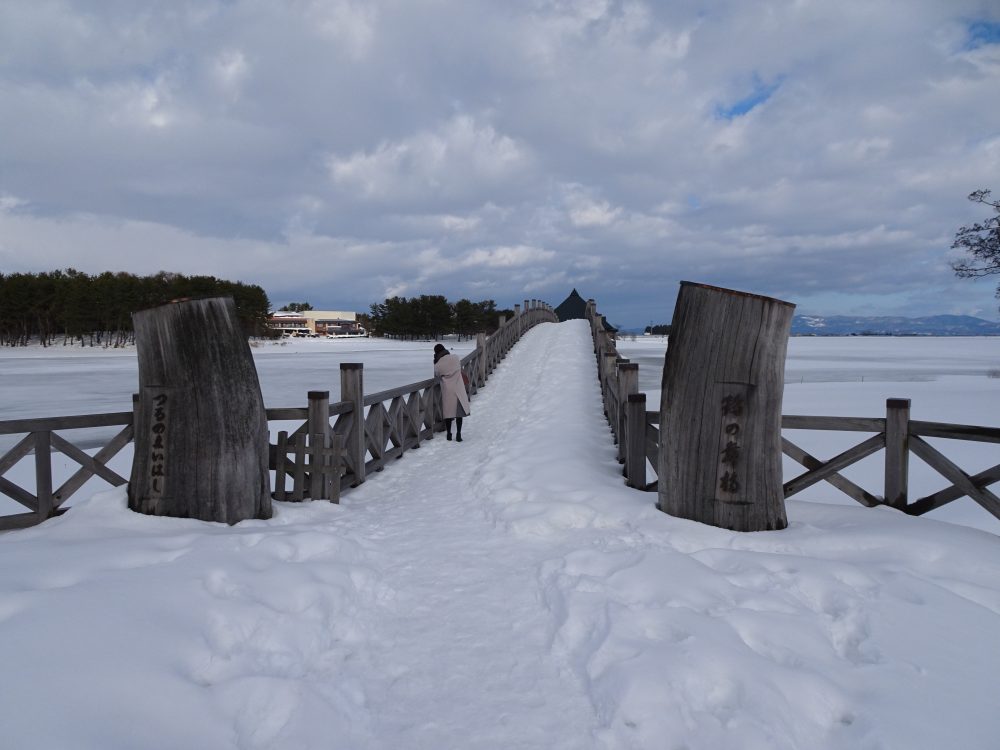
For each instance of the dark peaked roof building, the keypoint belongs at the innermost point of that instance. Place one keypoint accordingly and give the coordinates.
(574, 307)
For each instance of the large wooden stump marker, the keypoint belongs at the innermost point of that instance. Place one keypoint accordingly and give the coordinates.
(201, 437)
(720, 409)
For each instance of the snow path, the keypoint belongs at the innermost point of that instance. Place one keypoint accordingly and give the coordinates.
(468, 631)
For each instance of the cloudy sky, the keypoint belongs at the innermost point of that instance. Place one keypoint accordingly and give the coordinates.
(342, 151)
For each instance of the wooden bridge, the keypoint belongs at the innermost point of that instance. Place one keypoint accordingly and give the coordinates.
(339, 443)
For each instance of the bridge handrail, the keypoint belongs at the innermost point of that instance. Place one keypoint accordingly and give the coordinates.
(636, 433)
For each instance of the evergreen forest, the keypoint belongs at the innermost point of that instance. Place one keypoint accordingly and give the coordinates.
(64, 307)
(432, 316)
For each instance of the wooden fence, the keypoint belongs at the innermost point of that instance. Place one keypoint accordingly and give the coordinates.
(636, 433)
(320, 458)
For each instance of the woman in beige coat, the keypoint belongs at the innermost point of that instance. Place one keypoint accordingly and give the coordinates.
(454, 397)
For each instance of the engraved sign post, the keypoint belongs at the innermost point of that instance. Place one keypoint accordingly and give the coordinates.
(201, 436)
(720, 409)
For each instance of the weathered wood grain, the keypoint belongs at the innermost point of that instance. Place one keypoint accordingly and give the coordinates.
(955, 431)
(352, 390)
(841, 483)
(951, 493)
(835, 465)
(720, 409)
(951, 471)
(838, 424)
(897, 452)
(79, 421)
(635, 440)
(201, 440)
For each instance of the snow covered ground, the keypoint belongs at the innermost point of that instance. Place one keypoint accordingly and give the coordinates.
(506, 592)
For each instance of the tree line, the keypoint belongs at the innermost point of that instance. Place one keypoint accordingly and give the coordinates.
(71, 306)
(432, 316)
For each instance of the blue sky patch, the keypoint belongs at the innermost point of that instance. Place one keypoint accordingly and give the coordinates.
(982, 33)
(760, 94)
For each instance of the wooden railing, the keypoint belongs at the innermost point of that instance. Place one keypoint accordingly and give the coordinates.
(636, 433)
(320, 458)
(42, 439)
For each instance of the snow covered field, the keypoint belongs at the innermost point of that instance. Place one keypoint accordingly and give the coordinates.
(509, 591)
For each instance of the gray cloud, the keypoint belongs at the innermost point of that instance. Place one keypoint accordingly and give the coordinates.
(341, 151)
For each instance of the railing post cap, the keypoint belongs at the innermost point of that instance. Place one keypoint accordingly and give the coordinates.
(897, 403)
(315, 395)
(633, 397)
(352, 365)
(628, 365)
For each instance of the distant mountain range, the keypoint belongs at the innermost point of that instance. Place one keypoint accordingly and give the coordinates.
(848, 325)
(935, 325)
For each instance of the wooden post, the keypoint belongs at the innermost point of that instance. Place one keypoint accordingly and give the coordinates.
(628, 383)
(607, 372)
(414, 419)
(375, 424)
(352, 388)
(201, 439)
(897, 451)
(592, 317)
(43, 473)
(337, 445)
(481, 360)
(635, 440)
(318, 429)
(318, 412)
(280, 464)
(317, 441)
(720, 410)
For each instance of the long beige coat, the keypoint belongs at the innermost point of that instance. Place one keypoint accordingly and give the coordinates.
(454, 399)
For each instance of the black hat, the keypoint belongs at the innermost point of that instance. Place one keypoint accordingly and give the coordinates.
(439, 348)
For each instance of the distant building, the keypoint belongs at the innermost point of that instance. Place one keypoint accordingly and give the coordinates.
(317, 323)
(574, 307)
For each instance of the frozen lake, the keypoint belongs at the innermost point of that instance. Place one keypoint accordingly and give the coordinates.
(850, 359)
(57, 381)
(60, 380)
